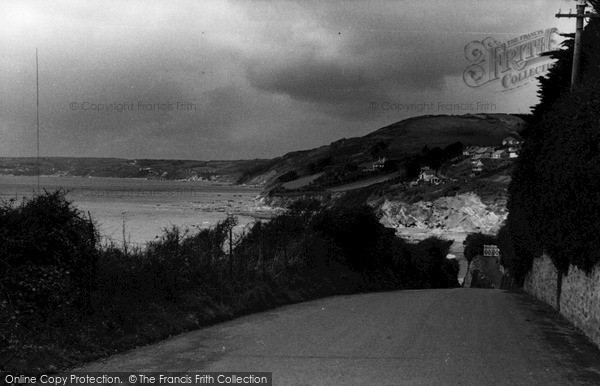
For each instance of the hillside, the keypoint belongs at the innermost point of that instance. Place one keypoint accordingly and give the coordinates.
(350, 160)
(428, 182)
(346, 164)
(221, 171)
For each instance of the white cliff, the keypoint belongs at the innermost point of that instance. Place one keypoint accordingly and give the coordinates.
(464, 213)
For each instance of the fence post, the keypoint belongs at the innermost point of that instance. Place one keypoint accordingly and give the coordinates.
(231, 251)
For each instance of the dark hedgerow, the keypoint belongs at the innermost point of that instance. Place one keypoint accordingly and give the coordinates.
(554, 195)
(554, 204)
(51, 319)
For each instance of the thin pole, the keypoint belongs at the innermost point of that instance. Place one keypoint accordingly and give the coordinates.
(37, 116)
(577, 46)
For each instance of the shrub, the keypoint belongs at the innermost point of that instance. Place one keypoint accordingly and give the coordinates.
(432, 269)
(356, 231)
(46, 231)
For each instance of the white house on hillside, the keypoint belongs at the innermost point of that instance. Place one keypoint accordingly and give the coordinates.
(427, 175)
(485, 152)
(498, 154)
(379, 164)
(511, 141)
(477, 166)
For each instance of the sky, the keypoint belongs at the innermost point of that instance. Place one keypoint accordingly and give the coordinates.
(244, 79)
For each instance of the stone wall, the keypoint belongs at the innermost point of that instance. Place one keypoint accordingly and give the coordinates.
(580, 294)
(541, 281)
(580, 301)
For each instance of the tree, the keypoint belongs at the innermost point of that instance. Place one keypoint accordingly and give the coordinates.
(432, 269)
(376, 148)
(453, 150)
(355, 230)
(554, 193)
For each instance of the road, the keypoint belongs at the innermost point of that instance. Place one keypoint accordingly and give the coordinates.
(422, 337)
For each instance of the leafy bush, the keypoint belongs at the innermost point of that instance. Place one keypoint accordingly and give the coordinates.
(431, 267)
(46, 230)
(44, 243)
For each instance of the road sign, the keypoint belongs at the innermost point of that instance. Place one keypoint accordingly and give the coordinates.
(491, 251)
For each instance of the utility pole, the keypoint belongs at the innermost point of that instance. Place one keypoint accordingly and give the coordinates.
(580, 15)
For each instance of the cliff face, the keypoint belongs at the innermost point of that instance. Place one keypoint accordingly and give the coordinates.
(463, 213)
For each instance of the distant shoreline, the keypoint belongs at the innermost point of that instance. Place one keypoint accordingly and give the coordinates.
(143, 208)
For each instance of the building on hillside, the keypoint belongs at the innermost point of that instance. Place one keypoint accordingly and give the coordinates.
(511, 141)
(379, 164)
(477, 166)
(513, 152)
(475, 158)
(470, 150)
(499, 154)
(429, 176)
(485, 152)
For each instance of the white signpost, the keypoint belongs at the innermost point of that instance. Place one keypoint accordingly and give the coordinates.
(491, 251)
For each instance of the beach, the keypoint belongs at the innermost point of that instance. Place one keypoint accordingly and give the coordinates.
(138, 210)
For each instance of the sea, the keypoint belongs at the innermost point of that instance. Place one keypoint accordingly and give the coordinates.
(135, 211)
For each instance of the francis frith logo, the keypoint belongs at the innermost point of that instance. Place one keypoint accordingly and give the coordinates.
(512, 63)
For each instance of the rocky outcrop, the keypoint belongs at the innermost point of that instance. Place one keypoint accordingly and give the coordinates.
(462, 213)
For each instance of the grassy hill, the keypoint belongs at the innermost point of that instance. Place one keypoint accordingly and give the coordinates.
(350, 160)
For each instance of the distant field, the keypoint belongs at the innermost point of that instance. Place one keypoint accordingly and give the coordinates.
(301, 182)
(364, 183)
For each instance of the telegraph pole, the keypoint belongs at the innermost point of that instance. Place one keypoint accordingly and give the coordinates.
(580, 15)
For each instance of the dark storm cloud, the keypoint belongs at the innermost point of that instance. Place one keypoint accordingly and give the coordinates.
(346, 80)
(310, 80)
(259, 78)
(369, 51)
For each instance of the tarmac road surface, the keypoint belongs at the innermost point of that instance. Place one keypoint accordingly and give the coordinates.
(423, 337)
